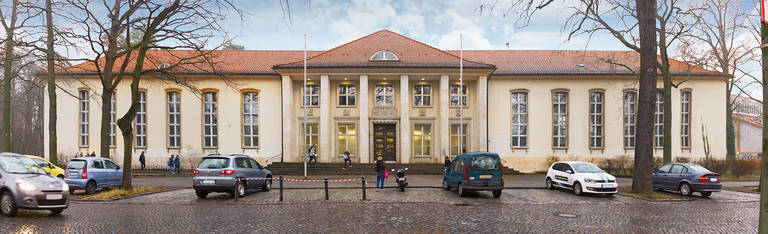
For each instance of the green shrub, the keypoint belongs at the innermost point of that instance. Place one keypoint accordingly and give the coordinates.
(746, 167)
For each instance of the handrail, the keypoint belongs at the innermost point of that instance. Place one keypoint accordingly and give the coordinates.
(273, 157)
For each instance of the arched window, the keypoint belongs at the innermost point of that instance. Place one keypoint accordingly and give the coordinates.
(383, 55)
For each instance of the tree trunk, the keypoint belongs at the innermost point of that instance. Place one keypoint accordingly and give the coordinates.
(8, 78)
(763, 220)
(106, 112)
(667, 158)
(49, 54)
(730, 130)
(641, 176)
(126, 121)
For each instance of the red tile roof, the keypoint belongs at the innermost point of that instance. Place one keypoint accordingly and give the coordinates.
(754, 120)
(411, 54)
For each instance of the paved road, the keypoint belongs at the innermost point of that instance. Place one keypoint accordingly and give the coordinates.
(417, 210)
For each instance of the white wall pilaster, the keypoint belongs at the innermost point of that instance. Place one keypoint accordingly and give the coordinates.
(481, 95)
(444, 124)
(325, 119)
(405, 121)
(288, 126)
(362, 151)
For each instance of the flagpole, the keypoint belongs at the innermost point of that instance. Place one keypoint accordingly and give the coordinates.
(461, 91)
(303, 96)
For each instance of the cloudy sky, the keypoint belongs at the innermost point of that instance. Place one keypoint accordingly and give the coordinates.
(330, 23)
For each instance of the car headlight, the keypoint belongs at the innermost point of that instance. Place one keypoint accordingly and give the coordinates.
(26, 186)
(64, 187)
(588, 180)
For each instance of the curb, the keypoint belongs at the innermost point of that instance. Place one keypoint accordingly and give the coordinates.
(126, 197)
(656, 200)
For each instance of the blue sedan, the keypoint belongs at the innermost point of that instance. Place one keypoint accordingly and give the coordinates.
(686, 178)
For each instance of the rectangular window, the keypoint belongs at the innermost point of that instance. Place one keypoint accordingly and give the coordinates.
(112, 119)
(685, 119)
(630, 106)
(84, 117)
(422, 95)
(384, 95)
(347, 139)
(210, 120)
(141, 121)
(458, 96)
(658, 120)
(174, 120)
(311, 137)
(347, 95)
(251, 119)
(559, 119)
(596, 119)
(422, 138)
(312, 95)
(519, 119)
(458, 139)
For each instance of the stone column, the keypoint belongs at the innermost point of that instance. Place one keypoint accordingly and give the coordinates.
(289, 144)
(481, 95)
(362, 129)
(325, 119)
(405, 120)
(443, 119)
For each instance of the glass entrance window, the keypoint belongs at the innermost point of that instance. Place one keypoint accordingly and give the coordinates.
(311, 136)
(422, 139)
(347, 139)
(458, 139)
(384, 95)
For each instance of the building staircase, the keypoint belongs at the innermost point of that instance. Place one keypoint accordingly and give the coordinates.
(297, 168)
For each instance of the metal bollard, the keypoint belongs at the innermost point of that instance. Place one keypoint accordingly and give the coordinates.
(363, 184)
(235, 192)
(326, 188)
(281, 188)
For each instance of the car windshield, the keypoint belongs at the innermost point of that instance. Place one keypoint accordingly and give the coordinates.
(485, 163)
(697, 168)
(586, 168)
(76, 164)
(213, 163)
(19, 165)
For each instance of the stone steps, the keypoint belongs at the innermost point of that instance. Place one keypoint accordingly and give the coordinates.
(278, 168)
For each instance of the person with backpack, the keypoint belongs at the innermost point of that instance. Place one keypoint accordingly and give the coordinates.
(347, 159)
(170, 165)
(177, 164)
(311, 154)
(142, 160)
(381, 172)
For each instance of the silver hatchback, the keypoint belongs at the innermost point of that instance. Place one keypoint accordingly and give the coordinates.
(230, 173)
(24, 185)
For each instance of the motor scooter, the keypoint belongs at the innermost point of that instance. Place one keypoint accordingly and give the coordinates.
(400, 178)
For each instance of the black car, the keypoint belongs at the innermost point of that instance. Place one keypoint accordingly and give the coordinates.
(686, 178)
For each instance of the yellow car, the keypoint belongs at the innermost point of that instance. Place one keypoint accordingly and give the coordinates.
(48, 166)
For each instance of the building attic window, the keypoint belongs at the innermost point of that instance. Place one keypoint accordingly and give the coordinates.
(383, 55)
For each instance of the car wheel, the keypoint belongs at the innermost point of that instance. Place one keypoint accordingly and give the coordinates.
(201, 194)
(706, 194)
(496, 193)
(268, 184)
(60, 177)
(609, 194)
(7, 205)
(240, 189)
(461, 191)
(445, 185)
(90, 187)
(577, 189)
(685, 189)
(549, 185)
(56, 211)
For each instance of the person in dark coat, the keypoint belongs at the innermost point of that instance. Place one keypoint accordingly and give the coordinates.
(93, 153)
(142, 160)
(347, 159)
(381, 168)
(177, 164)
(311, 154)
(447, 161)
(170, 165)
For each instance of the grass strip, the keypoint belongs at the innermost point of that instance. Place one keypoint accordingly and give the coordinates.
(119, 192)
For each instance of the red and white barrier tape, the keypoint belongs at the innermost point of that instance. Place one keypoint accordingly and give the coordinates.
(299, 180)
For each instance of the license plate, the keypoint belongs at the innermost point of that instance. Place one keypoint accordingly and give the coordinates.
(208, 182)
(486, 176)
(73, 174)
(713, 179)
(53, 197)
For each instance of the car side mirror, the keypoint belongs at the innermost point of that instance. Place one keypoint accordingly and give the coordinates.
(569, 171)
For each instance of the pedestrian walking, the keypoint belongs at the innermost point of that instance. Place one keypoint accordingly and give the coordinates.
(142, 160)
(177, 164)
(346, 159)
(170, 165)
(381, 170)
(93, 153)
(311, 154)
(447, 161)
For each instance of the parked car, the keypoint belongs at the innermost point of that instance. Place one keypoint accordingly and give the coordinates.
(24, 185)
(475, 171)
(581, 177)
(91, 173)
(54, 170)
(230, 173)
(686, 178)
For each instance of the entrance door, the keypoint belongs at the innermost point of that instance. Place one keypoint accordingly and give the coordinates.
(384, 142)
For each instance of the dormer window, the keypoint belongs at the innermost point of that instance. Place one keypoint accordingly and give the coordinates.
(384, 55)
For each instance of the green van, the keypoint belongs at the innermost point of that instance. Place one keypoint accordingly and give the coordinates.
(476, 171)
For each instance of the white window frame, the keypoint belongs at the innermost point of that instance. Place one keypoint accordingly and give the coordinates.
(419, 151)
(460, 137)
(630, 112)
(174, 119)
(250, 112)
(685, 119)
(112, 119)
(387, 94)
(347, 96)
(84, 96)
(559, 120)
(422, 99)
(308, 134)
(596, 119)
(312, 92)
(519, 131)
(658, 120)
(140, 123)
(351, 146)
(384, 55)
(456, 97)
(211, 138)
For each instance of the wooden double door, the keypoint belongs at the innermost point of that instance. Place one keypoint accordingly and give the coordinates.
(385, 141)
